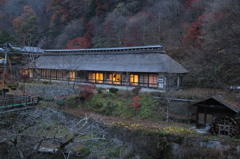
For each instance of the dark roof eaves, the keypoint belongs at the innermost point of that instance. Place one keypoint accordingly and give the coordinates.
(218, 99)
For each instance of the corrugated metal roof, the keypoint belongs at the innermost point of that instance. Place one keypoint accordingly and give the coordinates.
(116, 62)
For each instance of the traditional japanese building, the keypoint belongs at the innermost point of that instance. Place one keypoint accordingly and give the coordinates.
(144, 66)
(220, 113)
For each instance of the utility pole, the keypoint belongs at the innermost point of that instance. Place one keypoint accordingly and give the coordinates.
(5, 63)
(5, 51)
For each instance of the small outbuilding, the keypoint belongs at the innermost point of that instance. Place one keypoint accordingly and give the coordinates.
(219, 113)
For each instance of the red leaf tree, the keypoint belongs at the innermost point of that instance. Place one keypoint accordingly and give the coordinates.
(194, 31)
(79, 43)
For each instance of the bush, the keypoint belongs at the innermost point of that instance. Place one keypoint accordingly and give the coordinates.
(60, 103)
(113, 90)
(124, 110)
(148, 107)
(108, 108)
(136, 90)
(144, 106)
(135, 103)
(96, 102)
(100, 90)
(71, 102)
(111, 104)
(86, 92)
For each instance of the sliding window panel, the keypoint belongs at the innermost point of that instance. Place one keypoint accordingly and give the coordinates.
(92, 77)
(153, 80)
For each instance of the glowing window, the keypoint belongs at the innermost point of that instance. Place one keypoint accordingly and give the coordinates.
(99, 77)
(116, 78)
(109, 77)
(91, 77)
(134, 79)
(72, 75)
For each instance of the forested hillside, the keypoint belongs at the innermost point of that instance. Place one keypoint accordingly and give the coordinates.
(204, 35)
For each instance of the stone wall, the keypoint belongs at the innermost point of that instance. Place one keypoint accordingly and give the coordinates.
(158, 146)
(50, 90)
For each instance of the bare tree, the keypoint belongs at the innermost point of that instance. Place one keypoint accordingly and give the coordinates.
(71, 31)
(47, 130)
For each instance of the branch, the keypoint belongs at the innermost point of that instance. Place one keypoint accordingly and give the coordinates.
(62, 146)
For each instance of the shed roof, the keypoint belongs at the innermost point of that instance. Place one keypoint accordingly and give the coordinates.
(224, 100)
(129, 59)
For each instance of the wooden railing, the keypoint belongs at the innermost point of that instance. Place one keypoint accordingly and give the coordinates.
(17, 101)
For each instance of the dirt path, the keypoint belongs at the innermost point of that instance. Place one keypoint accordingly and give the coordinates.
(128, 121)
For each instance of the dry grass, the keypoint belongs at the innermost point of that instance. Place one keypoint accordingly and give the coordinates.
(199, 93)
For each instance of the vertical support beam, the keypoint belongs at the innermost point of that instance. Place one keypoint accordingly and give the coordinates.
(148, 80)
(4, 68)
(205, 116)
(50, 75)
(197, 117)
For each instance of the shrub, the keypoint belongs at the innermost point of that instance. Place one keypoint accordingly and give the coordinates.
(113, 90)
(60, 103)
(108, 107)
(148, 107)
(50, 99)
(100, 90)
(96, 102)
(135, 103)
(136, 90)
(86, 92)
(71, 102)
(156, 94)
(124, 110)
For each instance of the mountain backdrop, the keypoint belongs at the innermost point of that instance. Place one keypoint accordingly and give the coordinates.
(203, 35)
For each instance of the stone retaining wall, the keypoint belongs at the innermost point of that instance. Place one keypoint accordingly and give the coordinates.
(50, 90)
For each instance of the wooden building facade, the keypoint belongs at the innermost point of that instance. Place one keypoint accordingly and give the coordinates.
(217, 113)
(146, 66)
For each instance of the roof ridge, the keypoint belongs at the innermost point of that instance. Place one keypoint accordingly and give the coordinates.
(104, 53)
(116, 49)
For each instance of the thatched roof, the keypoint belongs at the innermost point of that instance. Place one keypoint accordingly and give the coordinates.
(125, 59)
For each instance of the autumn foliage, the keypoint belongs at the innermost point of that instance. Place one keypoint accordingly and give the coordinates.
(78, 43)
(194, 30)
(189, 3)
(135, 103)
(27, 12)
(86, 91)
